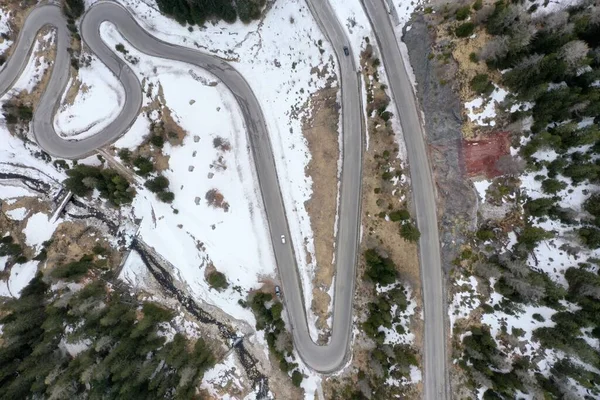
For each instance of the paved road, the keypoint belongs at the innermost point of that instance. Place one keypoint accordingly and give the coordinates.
(321, 358)
(424, 200)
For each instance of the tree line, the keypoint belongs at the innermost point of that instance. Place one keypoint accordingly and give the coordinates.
(197, 12)
(123, 350)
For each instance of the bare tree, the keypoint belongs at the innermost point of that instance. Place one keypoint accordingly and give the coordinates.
(482, 15)
(573, 53)
(482, 379)
(554, 21)
(517, 268)
(589, 290)
(526, 290)
(283, 343)
(594, 15)
(495, 49)
(487, 270)
(508, 18)
(522, 34)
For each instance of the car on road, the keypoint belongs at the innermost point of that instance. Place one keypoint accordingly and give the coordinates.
(278, 291)
(283, 239)
(346, 51)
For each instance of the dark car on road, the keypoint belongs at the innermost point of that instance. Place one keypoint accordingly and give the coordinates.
(346, 51)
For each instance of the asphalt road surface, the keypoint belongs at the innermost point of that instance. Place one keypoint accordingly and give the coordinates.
(424, 200)
(320, 358)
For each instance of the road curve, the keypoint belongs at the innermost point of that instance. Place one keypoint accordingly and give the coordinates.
(320, 358)
(424, 200)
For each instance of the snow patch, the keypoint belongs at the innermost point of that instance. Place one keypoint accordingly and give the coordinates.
(88, 115)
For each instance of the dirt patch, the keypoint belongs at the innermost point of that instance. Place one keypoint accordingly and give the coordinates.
(481, 156)
(321, 133)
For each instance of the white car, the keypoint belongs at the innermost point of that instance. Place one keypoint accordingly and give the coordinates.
(283, 239)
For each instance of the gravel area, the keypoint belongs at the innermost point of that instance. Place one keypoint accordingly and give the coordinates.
(457, 199)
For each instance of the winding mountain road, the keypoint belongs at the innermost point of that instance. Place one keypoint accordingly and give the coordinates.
(320, 358)
(424, 199)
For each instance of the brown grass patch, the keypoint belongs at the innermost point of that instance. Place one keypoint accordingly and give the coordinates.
(74, 239)
(461, 49)
(49, 53)
(321, 133)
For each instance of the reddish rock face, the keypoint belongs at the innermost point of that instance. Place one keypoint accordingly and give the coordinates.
(482, 155)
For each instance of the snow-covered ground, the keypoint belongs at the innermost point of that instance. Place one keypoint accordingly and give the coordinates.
(279, 56)
(199, 235)
(464, 300)
(87, 115)
(38, 230)
(4, 30)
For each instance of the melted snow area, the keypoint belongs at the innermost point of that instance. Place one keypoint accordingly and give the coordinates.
(19, 159)
(464, 300)
(234, 241)
(551, 256)
(35, 68)
(84, 117)
(482, 110)
(554, 256)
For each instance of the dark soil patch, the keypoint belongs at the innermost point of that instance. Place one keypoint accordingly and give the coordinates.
(481, 156)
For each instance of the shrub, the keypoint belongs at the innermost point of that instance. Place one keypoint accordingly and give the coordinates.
(72, 271)
(82, 179)
(144, 165)
(158, 184)
(539, 207)
(120, 48)
(478, 5)
(410, 232)
(297, 378)
(399, 215)
(463, 13)
(217, 280)
(552, 186)
(380, 269)
(538, 317)
(125, 155)
(73, 8)
(531, 236)
(166, 197)
(590, 236)
(465, 30)
(474, 57)
(485, 234)
(157, 141)
(481, 84)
